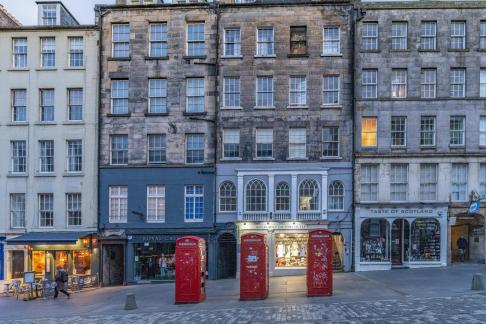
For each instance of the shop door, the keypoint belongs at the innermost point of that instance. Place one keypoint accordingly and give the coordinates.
(227, 256)
(113, 261)
(456, 232)
(17, 264)
(399, 237)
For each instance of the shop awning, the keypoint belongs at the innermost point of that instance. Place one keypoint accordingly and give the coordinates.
(48, 238)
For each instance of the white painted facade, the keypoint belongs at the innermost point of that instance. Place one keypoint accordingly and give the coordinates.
(60, 182)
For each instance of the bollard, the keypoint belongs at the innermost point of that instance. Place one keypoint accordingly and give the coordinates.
(130, 302)
(477, 282)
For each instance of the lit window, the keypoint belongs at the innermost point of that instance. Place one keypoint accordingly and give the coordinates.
(368, 131)
(194, 203)
(309, 195)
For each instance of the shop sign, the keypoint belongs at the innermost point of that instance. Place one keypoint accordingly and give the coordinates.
(402, 212)
(152, 238)
(276, 226)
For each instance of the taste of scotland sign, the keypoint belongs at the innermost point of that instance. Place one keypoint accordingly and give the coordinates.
(402, 212)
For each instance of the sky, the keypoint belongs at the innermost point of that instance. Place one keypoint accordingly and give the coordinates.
(26, 10)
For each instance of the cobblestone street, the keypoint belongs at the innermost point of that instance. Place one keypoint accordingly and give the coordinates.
(434, 295)
(459, 309)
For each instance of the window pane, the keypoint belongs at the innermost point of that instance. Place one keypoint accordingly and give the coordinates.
(156, 148)
(231, 143)
(297, 143)
(264, 95)
(195, 148)
(330, 90)
(368, 131)
(264, 143)
(330, 142)
(298, 91)
(195, 95)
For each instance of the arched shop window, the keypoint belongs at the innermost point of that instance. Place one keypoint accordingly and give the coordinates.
(282, 197)
(256, 196)
(336, 196)
(227, 197)
(425, 240)
(375, 240)
(309, 195)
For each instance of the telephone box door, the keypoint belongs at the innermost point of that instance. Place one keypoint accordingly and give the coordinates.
(189, 277)
(253, 267)
(319, 263)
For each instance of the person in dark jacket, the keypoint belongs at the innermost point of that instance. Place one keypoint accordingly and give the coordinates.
(61, 282)
(462, 246)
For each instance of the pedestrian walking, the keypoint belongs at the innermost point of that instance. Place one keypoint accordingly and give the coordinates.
(61, 282)
(462, 246)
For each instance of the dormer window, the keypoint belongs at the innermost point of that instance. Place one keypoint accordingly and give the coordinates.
(49, 15)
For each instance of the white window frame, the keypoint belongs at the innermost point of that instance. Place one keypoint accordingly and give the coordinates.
(372, 183)
(14, 158)
(428, 34)
(427, 181)
(330, 44)
(78, 158)
(112, 136)
(482, 35)
(369, 89)
(457, 131)
(324, 142)
(196, 42)
(48, 50)
(162, 148)
(193, 91)
(44, 95)
(71, 210)
(20, 57)
(457, 86)
(482, 131)
(15, 211)
(403, 130)
(76, 47)
(259, 51)
(47, 157)
(229, 89)
(163, 40)
(297, 143)
(258, 138)
(399, 185)
(72, 104)
(332, 194)
(261, 92)
(193, 196)
(198, 135)
(458, 35)
(399, 36)
(428, 83)
(334, 92)
(458, 195)
(482, 83)
(236, 44)
(370, 38)
(399, 83)
(434, 130)
(297, 95)
(232, 187)
(225, 136)
(156, 94)
(114, 43)
(115, 93)
(120, 196)
(41, 210)
(159, 194)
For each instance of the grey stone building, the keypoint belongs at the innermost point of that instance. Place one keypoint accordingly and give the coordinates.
(157, 136)
(285, 128)
(420, 134)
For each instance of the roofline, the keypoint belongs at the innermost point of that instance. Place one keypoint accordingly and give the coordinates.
(10, 16)
(49, 28)
(213, 4)
(423, 4)
(62, 4)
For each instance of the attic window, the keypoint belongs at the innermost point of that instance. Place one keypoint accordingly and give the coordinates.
(49, 14)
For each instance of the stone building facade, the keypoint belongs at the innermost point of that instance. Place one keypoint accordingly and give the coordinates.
(157, 136)
(48, 134)
(420, 112)
(285, 127)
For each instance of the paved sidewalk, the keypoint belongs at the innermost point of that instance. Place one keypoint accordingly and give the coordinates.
(369, 297)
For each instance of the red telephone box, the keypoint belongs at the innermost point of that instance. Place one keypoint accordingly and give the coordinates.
(190, 274)
(253, 267)
(319, 263)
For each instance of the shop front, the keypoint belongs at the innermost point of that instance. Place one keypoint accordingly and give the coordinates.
(42, 253)
(392, 236)
(151, 256)
(287, 244)
(471, 228)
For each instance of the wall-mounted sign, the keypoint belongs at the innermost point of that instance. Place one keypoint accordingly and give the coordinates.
(279, 226)
(401, 212)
